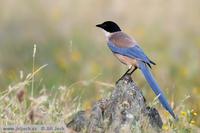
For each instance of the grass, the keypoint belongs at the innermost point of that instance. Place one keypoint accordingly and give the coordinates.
(18, 105)
(47, 107)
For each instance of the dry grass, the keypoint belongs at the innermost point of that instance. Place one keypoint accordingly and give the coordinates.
(47, 107)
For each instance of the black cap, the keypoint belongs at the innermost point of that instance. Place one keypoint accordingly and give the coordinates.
(109, 26)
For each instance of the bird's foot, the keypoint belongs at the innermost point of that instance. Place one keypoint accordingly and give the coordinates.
(126, 77)
(123, 76)
(118, 80)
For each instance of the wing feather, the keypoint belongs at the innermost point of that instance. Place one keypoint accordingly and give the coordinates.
(134, 52)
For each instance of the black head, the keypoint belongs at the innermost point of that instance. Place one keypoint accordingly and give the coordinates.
(109, 26)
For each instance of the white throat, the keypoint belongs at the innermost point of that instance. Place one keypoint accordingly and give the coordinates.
(107, 34)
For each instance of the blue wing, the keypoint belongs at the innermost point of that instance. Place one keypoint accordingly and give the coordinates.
(133, 52)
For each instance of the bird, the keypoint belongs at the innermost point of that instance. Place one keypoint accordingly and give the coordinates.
(129, 52)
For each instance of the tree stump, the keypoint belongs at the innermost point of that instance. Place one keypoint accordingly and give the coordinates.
(124, 111)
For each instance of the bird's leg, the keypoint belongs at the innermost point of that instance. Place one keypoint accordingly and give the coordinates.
(129, 68)
(132, 71)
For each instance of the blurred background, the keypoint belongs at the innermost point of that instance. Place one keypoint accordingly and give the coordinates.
(76, 52)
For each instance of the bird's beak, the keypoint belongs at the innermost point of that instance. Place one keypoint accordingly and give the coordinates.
(98, 25)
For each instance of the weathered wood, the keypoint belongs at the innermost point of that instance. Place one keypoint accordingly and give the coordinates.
(124, 111)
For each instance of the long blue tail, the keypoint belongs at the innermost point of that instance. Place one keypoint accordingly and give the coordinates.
(155, 87)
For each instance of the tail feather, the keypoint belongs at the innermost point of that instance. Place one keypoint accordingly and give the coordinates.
(155, 87)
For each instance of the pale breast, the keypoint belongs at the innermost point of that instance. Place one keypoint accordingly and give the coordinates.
(126, 60)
